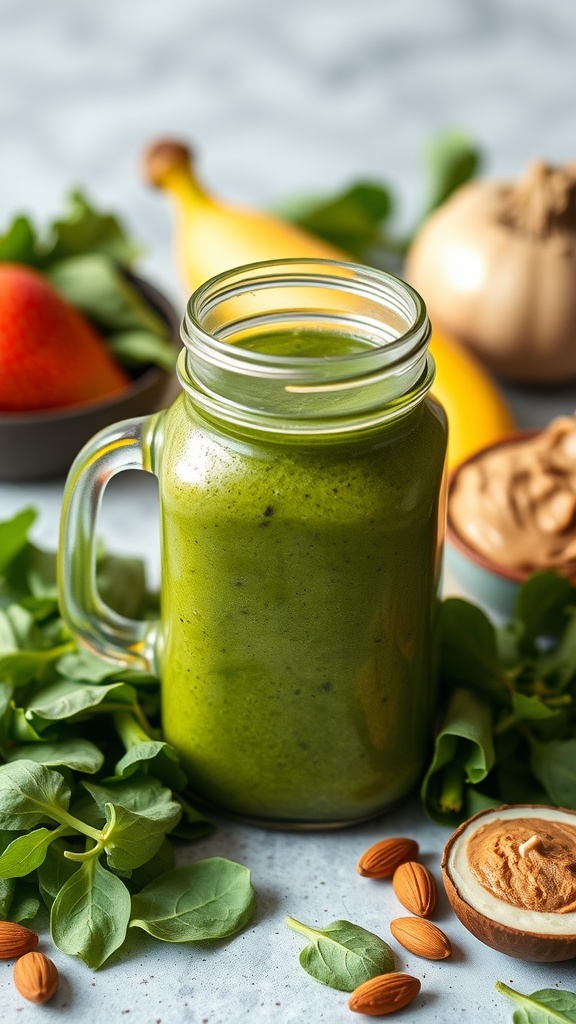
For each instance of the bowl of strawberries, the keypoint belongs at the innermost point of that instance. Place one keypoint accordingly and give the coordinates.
(84, 341)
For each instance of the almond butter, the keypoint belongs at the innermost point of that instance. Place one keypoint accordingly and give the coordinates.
(36, 977)
(15, 940)
(382, 859)
(421, 937)
(415, 888)
(384, 994)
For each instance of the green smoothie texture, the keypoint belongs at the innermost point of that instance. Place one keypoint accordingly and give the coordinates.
(299, 583)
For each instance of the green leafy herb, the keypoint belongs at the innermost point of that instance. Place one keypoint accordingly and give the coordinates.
(343, 955)
(508, 703)
(547, 1006)
(210, 899)
(91, 795)
(88, 257)
(360, 219)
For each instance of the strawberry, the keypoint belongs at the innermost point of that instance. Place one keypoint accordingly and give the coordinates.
(50, 355)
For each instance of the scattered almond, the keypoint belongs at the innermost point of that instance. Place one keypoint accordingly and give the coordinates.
(15, 940)
(421, 937)
(384, 994)
(415, 888)
(382, 859)
(36, 977)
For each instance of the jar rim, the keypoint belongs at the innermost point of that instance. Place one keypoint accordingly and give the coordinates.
(357, 278)
(390, 372)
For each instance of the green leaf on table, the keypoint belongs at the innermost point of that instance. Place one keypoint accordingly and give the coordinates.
(468, 653)
(451, 160)
(210, 899)
(90, 914)
(463, 753)
(343, 955)
(14, 536)
(30, 794)
(79, 754)
(554, 765)
(559, 664)
(25, 853)
(547, 1006)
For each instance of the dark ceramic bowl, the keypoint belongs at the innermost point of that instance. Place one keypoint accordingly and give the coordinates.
(41, 445)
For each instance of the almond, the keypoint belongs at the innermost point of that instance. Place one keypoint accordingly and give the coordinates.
(421, 937)
(415, 888)
(382, 859)
(384, 994)
(36, 977)
(15, 940)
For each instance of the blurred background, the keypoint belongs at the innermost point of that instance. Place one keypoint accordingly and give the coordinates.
(277, 98)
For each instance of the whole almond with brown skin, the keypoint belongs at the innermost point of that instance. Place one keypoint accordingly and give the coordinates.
(15, 940)
(384, 994)
(415, 888)
(36, 977)
(421, 937)
(382, 859)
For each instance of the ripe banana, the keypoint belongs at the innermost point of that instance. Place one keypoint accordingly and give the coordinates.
(212, 236)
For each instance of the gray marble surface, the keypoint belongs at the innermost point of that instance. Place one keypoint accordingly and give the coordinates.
(278, 98)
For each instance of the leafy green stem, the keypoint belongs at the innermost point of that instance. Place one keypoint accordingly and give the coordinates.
(297, 926)
(130, 728)
(452, 792)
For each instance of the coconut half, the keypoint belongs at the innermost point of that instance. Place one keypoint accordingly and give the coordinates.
(518, 931)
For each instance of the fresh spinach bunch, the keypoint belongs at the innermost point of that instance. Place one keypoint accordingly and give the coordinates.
(507, 697)
(90, 793)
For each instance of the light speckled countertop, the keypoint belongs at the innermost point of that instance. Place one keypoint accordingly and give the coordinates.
(278, 99)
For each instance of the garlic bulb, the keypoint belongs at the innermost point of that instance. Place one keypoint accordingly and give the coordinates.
(496, 266)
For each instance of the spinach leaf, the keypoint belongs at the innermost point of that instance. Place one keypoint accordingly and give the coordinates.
(13, 536)
(79, 754)
(452, 160)
(68, 700)
(343, 955)
(132, 839)
(554, 765)
(26, 853)
(30, 794)
(469, 651)
(463, 753)
(210, 899)
(90, 914)
(547, 1006)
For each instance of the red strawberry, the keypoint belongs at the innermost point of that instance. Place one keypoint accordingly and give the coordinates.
(50, 356)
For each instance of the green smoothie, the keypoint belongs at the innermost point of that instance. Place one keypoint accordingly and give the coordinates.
(298, 590)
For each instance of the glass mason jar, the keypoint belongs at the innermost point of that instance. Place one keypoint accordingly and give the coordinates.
(300, 484)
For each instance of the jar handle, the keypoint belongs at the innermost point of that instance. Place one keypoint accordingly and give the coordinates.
(92, 622)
